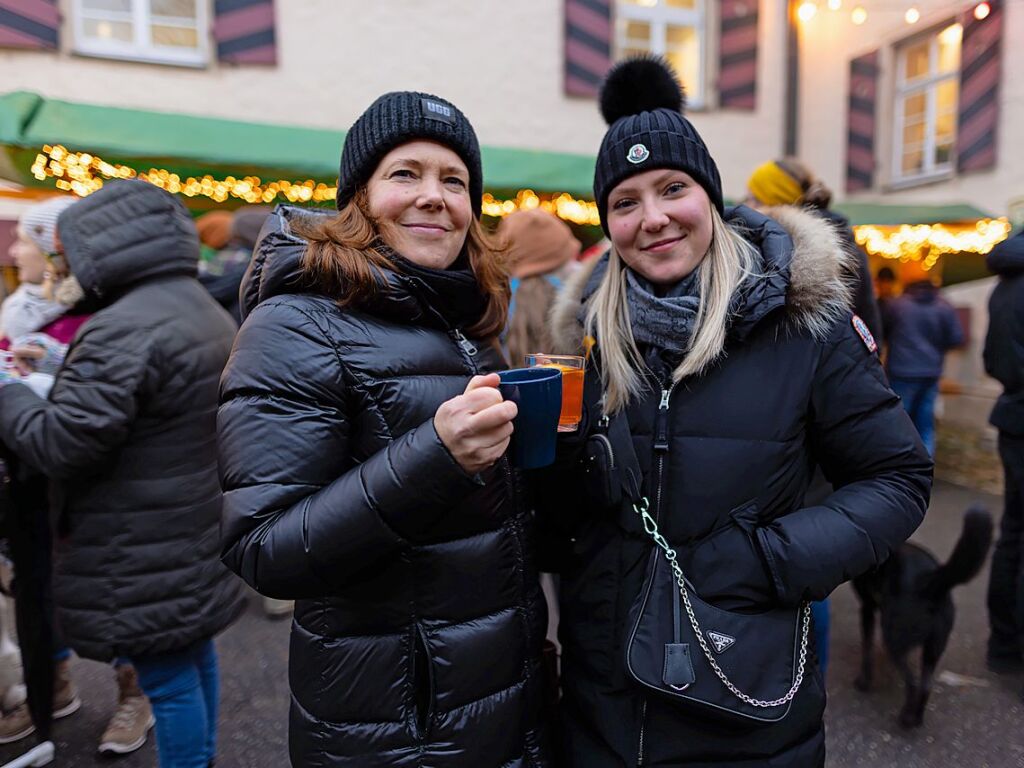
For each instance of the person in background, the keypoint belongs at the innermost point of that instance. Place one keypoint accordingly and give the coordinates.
(1004, 361)
(38, 328)
(221, 273)
(886, 289)
(923, 327)
(127, 438)
(788, 182)
(541, 251)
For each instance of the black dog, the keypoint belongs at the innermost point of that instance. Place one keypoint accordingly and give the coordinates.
(912, 590)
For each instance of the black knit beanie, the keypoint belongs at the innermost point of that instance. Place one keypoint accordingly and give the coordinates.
(642, 102)
(402, 116)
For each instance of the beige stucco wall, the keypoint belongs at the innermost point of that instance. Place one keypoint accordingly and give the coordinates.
(501, 62)
(830, 40)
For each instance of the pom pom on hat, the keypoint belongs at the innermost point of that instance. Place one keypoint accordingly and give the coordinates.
(640, 84)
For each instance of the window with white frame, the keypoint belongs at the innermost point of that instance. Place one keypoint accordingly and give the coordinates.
(672, 28)
(164, 31)
(927, 95)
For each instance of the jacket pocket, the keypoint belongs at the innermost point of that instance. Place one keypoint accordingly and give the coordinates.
(422, 682)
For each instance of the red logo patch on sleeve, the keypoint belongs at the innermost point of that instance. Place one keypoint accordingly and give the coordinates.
(865, 334)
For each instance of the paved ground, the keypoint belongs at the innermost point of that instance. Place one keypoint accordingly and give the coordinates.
(975, 719)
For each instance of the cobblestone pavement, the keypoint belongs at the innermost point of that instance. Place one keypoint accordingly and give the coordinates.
(974, 720)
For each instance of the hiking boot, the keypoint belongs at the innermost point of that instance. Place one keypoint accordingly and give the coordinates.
(65, 695)
(133, 718)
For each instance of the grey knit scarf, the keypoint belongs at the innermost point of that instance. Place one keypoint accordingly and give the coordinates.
(665, 322)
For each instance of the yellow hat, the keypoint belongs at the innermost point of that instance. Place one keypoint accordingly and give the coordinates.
(770, 184)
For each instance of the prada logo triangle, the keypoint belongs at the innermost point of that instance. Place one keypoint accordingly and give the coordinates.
(720, 641)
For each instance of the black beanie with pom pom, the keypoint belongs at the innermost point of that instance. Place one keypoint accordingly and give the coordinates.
(643, 103)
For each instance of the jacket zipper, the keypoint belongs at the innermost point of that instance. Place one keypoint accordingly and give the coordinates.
(465, 344)
(660, 451)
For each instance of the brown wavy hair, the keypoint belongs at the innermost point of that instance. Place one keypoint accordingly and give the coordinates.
(342, 261)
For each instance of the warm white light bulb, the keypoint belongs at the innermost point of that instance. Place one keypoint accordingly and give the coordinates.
(912, 15)
(982, 10)
(859, 15)
(835, 5)
(807, 10)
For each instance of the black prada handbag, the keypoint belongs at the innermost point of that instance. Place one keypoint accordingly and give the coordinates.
(730, 666)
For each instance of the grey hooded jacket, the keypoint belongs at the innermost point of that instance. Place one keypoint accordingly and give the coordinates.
(128, 435)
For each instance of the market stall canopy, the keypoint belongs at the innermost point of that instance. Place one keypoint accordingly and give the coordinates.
(190, 145)
(889, 214)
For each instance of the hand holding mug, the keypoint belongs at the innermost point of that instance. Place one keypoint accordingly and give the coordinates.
(476, 425)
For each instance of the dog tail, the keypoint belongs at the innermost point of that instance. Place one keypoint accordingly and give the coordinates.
(968, 555)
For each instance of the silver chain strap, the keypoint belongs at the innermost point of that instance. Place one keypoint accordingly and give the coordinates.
(651, 526)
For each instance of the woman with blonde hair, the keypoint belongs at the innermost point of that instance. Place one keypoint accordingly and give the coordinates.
(724, 364)
(362, 441)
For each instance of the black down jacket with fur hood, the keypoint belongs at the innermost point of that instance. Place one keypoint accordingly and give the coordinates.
(128, 435)
(726, 458)
(419, 618)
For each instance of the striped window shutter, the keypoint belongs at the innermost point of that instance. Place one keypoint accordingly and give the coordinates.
(29, 24)
(980, 55)
(244, 31)
(588, 45)
(860, 136)
(737, 55)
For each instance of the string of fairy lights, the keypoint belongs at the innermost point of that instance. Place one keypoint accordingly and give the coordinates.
(806, 10)
(83, 173)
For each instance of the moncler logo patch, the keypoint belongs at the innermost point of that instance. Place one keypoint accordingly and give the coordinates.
(720, 641)
(637, 154)
(435, 110)
(865, 334)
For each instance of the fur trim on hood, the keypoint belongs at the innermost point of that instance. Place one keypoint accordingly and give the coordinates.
(801, 252)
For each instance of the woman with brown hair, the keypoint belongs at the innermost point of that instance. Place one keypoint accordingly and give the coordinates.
(362, 439)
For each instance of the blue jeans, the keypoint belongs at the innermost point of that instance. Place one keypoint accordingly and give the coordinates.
(918, 396)
(183, 690)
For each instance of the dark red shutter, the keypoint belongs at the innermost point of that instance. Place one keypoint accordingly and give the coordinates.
(980, 56)
(860, 128)
(588, 45)
(29, 24)
(737, 55)
(244, 31)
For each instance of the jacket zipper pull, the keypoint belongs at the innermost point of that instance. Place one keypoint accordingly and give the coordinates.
(661, 423)
(466, 344)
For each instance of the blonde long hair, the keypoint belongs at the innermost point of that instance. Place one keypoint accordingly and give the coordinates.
(731, 259)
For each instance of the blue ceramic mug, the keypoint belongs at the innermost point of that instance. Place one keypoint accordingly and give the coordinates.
(537, 392)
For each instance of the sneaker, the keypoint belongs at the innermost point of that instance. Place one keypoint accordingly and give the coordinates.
(128, 727)
(65, 695)
(277, 609)
(16, 724)
(133, 718)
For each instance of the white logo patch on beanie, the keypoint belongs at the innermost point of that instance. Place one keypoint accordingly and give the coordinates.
(434, 110)
(637, 154)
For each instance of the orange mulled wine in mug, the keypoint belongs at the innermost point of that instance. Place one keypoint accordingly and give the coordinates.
(571, 367)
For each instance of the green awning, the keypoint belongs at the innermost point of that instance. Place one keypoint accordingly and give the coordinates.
(886, 214)
(194, 145)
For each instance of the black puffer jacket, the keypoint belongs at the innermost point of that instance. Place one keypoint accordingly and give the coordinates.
(129, 433)
(736, 451)
(1004, 341)
(419, 619)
